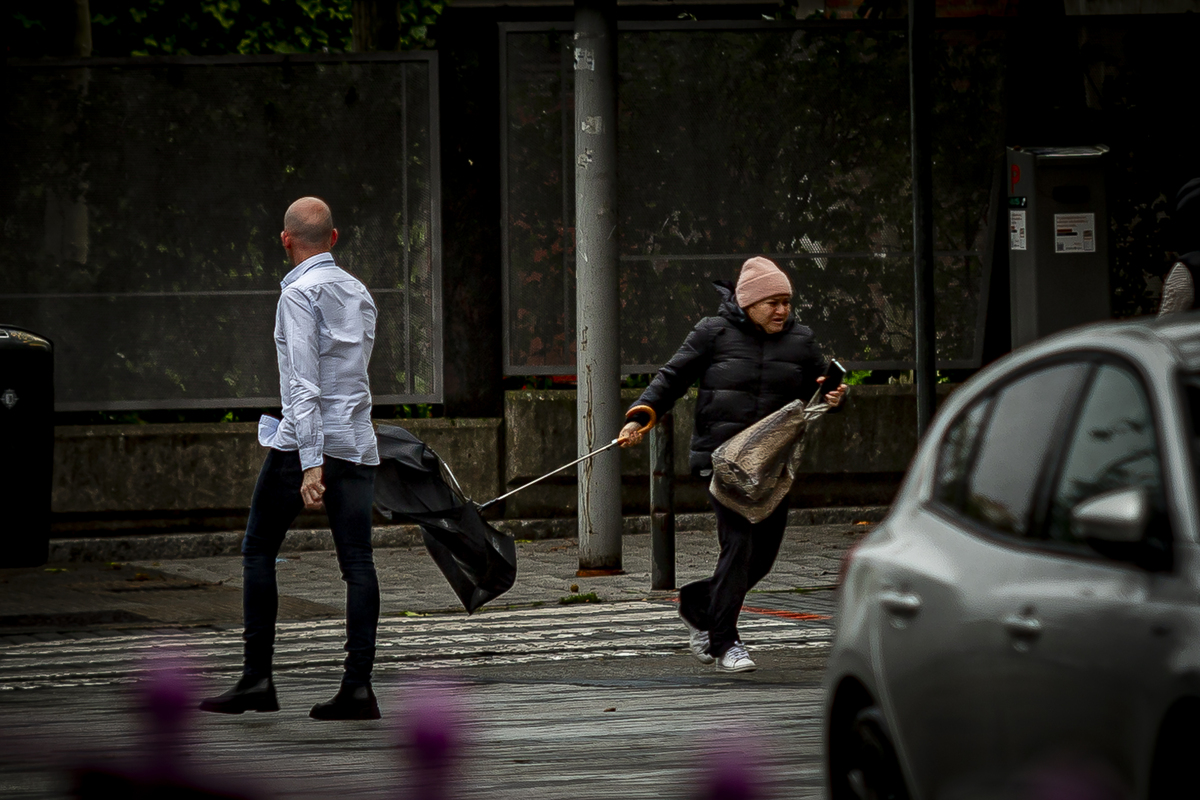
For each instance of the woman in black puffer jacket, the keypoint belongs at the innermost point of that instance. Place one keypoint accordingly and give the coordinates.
(750, 360)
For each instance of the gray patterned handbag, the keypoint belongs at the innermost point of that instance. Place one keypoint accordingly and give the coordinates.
(754, 470)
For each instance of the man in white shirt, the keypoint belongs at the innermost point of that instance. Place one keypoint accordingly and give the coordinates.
(323, 454)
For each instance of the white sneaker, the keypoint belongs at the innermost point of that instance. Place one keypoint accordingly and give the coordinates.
(698, 642)
(736, 659)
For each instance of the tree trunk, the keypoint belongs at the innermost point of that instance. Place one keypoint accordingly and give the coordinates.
(375, 25)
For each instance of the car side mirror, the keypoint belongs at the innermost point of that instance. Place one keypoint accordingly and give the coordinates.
(1118, 516)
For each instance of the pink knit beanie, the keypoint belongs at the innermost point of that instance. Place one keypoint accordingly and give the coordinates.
(760, 279)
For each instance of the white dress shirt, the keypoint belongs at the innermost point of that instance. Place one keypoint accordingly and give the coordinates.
(324, 333)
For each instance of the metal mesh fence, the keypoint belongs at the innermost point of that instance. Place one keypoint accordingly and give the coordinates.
(142, 202)
(787, 143)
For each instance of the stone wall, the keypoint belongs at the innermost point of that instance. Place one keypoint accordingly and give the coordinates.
(202, 476)
(855, 458)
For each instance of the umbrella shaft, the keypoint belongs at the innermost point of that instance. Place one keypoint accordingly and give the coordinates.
(596, 452)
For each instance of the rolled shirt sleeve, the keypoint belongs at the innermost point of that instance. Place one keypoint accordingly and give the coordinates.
(301, 348)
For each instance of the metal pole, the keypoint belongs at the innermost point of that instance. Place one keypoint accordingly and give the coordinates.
(410, 383)
(596, 295)
(662, 504)
(920, 87)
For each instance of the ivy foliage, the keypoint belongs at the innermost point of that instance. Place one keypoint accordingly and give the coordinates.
(204, 27)
(415, 20)
(211, 27)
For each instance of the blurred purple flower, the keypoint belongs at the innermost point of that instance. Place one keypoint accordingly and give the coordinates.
(1073, 779)
(431, 737)
(733, 769)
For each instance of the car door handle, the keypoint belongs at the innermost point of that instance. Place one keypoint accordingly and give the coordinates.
(902, 603)
(1024, 626)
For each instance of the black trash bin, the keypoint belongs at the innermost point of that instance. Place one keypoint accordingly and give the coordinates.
(26, 446)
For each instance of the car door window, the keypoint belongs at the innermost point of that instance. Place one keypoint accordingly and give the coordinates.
(954, 459)
(1191, 389)
(1024, 425)
(1113, 446)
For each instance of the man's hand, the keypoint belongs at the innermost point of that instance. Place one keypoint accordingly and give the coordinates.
(630, 435)
(312, 488)
(834, 398)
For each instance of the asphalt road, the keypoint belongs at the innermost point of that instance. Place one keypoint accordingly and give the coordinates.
(588, 701)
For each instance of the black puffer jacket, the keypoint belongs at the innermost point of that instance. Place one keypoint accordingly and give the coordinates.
(744, 373)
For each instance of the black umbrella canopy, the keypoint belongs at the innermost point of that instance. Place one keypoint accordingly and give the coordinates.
(479, 562)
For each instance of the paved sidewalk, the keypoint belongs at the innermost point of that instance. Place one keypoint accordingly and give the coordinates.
(81, 599)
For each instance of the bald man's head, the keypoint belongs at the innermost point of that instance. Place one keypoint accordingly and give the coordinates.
(310, 222)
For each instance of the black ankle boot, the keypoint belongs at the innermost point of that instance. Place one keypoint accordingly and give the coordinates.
(252, 693)
(357, 702)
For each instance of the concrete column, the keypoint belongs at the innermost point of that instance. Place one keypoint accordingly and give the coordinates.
(596, 297)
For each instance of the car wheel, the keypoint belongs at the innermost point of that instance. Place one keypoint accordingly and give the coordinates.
(1173, 769)
(862, 760)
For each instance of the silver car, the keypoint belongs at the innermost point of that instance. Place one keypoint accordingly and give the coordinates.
(1025, 623)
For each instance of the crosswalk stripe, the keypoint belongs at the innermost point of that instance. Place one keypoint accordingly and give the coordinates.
(499, 637)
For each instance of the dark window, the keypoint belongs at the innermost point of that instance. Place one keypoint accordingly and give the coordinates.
(1191, 387)
(1113, 446)
(954, 460)
(1025, 422)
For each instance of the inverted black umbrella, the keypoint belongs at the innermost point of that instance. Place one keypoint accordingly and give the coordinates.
(414, 484)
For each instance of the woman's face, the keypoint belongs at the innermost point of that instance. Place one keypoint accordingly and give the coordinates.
(771, 314)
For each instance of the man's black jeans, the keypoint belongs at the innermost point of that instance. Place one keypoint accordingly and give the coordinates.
(748, 552)
(349, 493)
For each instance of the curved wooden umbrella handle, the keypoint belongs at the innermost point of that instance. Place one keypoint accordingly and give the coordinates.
(653, 417)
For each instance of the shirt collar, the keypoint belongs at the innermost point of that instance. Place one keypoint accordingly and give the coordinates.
(319, 260)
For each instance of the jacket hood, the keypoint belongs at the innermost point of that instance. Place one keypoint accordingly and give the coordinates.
(730, 310)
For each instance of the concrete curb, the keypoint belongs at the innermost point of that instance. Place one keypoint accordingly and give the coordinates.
(228, 543)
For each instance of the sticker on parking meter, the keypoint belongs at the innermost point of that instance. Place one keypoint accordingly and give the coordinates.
(1017, 235)
(1074, 233)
